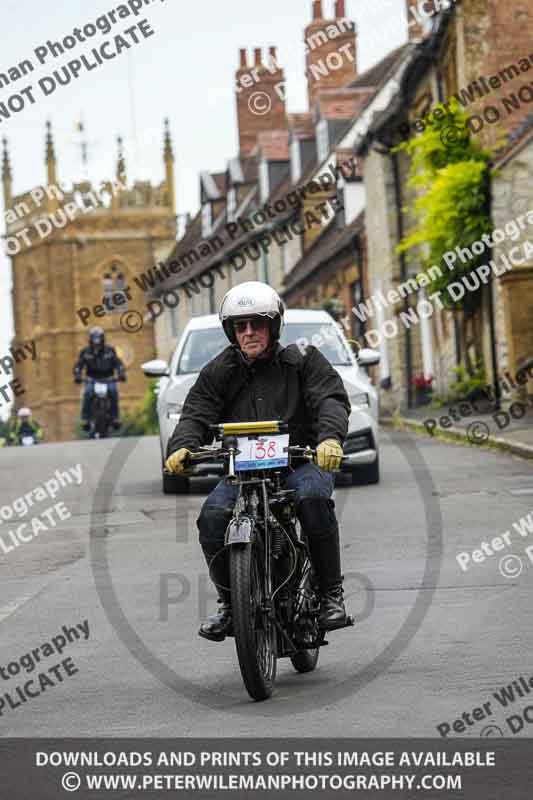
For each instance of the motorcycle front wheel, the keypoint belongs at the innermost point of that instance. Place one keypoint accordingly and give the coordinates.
(101, 418)
(255, 636)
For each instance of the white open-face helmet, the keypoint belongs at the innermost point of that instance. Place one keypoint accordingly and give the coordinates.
(24, 412)
(251, 299)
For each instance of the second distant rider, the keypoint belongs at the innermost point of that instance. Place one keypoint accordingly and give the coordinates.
(100, 362)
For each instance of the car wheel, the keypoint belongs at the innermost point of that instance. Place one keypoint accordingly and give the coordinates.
(366, 474)
(175, 484)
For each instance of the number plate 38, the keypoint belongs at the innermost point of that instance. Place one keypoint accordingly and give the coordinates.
(262, 452)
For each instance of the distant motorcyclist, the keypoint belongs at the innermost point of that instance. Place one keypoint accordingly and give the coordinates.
(25, 426)
(100, 362)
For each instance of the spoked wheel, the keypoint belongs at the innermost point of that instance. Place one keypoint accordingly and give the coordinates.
(305, 621)
(255, 635)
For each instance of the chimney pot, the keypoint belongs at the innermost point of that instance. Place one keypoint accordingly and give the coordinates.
(258, 56)
(340, 9)
(415, 26)
(244, 59)
(317, 9)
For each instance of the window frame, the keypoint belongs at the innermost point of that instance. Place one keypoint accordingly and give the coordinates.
(322, 140)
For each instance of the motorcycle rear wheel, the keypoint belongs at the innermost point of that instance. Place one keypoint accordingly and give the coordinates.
(306, 660)
(255, 636)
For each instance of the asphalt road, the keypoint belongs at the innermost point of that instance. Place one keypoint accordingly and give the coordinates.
(431, 642)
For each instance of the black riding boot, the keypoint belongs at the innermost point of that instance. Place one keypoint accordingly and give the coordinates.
(218, 625)
(324, 548)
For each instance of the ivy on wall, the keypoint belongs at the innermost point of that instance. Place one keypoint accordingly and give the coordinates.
(450, 173)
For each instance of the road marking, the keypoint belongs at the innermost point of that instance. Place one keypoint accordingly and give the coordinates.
(11, 608)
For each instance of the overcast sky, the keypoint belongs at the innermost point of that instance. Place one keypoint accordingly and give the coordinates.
(185, 71)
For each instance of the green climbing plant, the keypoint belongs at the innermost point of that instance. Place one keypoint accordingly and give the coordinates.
(333, 306)
(450, 172)
(142, 420)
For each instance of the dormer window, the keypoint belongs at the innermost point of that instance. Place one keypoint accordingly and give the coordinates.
(264, 182)
(207, 220)
(322, 137)
(232, 204)
(296, 161)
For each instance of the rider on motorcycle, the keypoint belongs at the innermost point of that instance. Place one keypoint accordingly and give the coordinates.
(25, 426)
(258, 379)
(100, 361)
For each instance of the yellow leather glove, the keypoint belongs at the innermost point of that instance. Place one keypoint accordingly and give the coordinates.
(329, 454)
(175, 463)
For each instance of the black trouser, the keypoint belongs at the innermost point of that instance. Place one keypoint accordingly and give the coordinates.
(315, 510)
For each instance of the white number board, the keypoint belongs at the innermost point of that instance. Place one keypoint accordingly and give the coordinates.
(262, 452)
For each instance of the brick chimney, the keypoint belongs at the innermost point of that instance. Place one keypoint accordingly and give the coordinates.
(331, 50)
(415, 25)
(260, 98)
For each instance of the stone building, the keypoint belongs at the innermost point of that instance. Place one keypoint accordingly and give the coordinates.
(512, 198)
(79, 248)
(478, 52)
(306, 245)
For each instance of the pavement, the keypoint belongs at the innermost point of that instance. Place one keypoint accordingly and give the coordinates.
(431, 641)
(495, 429)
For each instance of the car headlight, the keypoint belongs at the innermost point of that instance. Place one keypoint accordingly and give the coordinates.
(174, 410)
(359, 401)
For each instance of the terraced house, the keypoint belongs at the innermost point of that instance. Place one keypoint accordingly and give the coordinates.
(289, 208)
(315, 202)
(462, 52)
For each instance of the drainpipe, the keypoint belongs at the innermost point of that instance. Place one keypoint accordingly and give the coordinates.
(456, 327)
(403, 274)
(492, 319)
(266, 276)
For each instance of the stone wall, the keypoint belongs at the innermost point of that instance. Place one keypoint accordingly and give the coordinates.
(497, 36)
(383, 270)
(513, 292)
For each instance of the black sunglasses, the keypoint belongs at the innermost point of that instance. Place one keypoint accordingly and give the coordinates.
(257, 324)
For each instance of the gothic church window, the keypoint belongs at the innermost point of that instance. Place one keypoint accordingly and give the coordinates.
(113, 284)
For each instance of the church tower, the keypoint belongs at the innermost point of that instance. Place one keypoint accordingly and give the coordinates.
(81, 247)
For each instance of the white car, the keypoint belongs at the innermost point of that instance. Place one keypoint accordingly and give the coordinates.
(203, 339)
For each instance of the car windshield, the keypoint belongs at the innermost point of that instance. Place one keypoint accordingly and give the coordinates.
(322, 335)
(202, 345)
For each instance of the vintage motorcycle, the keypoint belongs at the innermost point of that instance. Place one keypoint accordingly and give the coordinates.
(28, 440)
(274, 596)
(100, 419)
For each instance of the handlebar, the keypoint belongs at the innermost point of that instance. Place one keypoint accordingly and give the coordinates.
(210, 452)
(98, 380)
